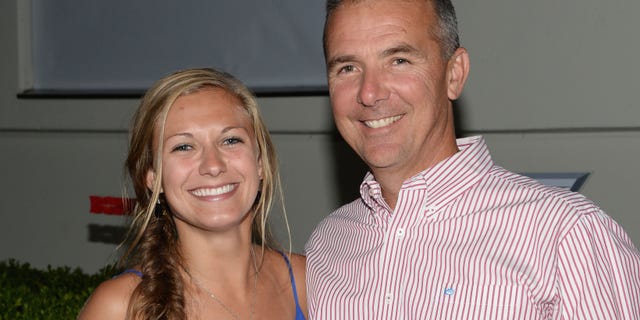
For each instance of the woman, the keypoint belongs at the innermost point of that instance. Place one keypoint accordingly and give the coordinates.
(205, 174)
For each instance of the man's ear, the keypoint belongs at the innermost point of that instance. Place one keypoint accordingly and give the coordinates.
(457, 72)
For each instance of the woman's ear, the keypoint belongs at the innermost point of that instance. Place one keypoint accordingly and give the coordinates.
(151, 179)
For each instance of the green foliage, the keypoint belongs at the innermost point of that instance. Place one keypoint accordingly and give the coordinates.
(54, 293)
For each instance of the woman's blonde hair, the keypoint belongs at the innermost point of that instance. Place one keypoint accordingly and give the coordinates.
(152, 239)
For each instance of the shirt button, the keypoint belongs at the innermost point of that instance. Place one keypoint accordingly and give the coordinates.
(372, 192)
(388, 298)
(400, 233)
(430, 209)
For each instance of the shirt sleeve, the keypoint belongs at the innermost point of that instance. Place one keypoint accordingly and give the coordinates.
(598, 271)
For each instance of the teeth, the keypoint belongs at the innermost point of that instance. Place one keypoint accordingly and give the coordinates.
(213, 191)
(381, 122)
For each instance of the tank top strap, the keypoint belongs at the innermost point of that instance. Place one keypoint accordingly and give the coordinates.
(299, 313)
(134, 271)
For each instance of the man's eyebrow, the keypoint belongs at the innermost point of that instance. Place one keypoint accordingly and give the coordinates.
(338, 60)
(401, 48)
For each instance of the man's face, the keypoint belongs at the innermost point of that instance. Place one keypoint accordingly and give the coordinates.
(390, 87)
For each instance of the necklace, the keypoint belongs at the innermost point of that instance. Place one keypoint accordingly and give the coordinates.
(215, 298)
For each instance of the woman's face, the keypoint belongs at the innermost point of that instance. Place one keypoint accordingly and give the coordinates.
(211, 168)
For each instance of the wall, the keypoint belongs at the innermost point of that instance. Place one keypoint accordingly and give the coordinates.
(557, 109)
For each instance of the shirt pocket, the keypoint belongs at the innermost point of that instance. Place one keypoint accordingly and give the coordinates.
(481, 301)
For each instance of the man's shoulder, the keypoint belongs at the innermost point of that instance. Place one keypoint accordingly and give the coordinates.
(353, 211)
(532, 190)
(357, 205)
(341, 220)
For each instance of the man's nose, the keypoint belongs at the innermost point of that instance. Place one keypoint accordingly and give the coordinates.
(372, 89)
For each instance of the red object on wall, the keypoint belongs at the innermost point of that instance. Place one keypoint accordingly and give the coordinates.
(110, 205)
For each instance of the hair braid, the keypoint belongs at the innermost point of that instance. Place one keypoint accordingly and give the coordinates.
(160, 294)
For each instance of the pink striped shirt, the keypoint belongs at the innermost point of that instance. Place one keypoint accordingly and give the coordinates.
(470, 240)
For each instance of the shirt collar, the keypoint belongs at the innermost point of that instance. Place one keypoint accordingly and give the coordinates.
(446, 180)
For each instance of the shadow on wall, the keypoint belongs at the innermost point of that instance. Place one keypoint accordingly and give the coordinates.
(458, 118)
(349, 169)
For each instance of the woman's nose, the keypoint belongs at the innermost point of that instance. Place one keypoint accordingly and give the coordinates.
(212, 163)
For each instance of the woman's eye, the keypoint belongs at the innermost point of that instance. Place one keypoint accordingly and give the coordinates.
(232, 140)
(182, 147)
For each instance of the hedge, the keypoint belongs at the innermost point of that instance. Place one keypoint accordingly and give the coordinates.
(54, 293)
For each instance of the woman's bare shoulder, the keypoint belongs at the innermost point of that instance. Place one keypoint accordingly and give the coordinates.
(298, 264)
(110, 299)
(277, 267)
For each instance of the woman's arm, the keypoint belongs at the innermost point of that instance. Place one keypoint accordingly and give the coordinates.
(110, 299)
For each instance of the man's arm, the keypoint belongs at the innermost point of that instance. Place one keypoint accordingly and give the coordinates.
(598, 271)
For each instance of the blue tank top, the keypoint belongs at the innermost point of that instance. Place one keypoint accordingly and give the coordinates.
(299, 313)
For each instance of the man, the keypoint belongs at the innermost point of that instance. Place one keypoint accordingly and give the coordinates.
(440, 231)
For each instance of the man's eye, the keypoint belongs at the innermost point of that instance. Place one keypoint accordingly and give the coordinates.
(400, 61)
(346, 69)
